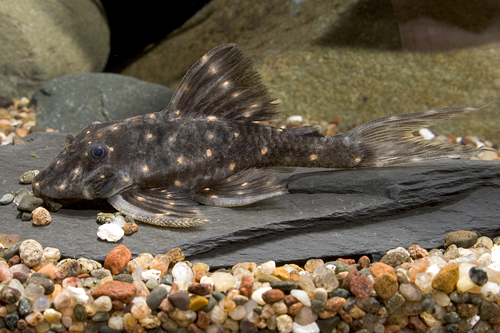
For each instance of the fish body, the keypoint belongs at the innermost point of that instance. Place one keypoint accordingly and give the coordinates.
(206, 148)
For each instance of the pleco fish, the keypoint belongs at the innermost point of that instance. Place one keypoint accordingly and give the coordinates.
(206, 147)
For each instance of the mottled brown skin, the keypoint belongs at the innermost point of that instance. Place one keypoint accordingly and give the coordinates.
(205, 147)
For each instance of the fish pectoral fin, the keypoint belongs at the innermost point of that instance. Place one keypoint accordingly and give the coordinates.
(241, 189)
(158, 207)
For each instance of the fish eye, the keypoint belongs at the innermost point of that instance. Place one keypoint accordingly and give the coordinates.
(98, 152)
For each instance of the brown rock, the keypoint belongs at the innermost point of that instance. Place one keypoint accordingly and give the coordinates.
(380, 268)
(461, 238)
(175, 255)
(289, 300)
(417, 252)
(246, 286)
(334, 304)
(294, 308)
(166, 306)
(192, 328)
(361, 285)
(273, 296)
(446, 279)
(203, 320)
(129, 228)
(345, 316)
(70, 268)
(116, 290)
(117, 259)
(41, 216)
(201, 289)
(386, 285)
(467, 310)
(364, 262)
(417, 324)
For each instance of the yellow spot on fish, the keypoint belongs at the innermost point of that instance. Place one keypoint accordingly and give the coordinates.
(253, 106)
(240, 192)
(152, 116)
(213, 196)
(37, 184)
(177, 183)
(115, 128)
(236, 94)
(244, 184)
(357, 160)
(206, 189)
(247, 115)
(140, 198)
(171, 204)
(186, 89)
(58, 161)
(149, 135)
(313, 157)
(111, 149)
(171, 139)
(134, 120)
(88, 132)
(178, 112)
(211, 117)
(90, 142)
(86, 154)
(209, 152)
(232, 166)
(213, 70)
(145, 168)
(125, 179)
(62, 187)
(225, 84)
(77, 171)
(168, 195)
(162, 214)
(236, 134)
(263, 151)
(103, 176)
(180, 159)
(100, 134)
(210, 136)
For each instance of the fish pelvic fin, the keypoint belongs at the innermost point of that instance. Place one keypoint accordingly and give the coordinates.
(391, 140)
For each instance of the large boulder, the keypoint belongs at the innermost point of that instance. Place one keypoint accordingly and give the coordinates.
(328, 213)
(361, 60)
(68, 103)
(41, 40)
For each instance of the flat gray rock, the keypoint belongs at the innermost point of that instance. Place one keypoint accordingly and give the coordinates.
(328, 213)
(68, 103)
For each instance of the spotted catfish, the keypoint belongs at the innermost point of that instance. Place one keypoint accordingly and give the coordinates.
(206, 148)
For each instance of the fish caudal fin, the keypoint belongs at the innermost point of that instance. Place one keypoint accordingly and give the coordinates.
(391, 140)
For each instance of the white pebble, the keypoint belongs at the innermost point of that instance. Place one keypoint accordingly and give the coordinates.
(490, 290)
(257, 295)
(223, 281)
(269, 267)
(110, 232)
(78, 295)
(182, 273)
(50, 253)
(119, 221)
(311, 328)
(302, 296)
(151, 274)
(399, 250)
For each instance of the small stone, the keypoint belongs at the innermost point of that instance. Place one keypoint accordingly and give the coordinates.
(361, 285)
(117, 259)
(80, 313)
(7, 199)
(327, 325)
(285, 286)
(24, 307)
(282, 273)
(459, 297)
(46, 283)
(156, 296)
(116, 290)
(10, 295)
(311, 264)
(339, 292)
(268, 278)
(140, 310)
(203, 320)
(175, 255)
(257, 295)
(301, 296)
(41, 216)
(428, 302)
(394, 303)
(103, 304)
(150, 322)
(197, 302)
(446, 279)
(238, 313)
(273, 296)
(451, 317)
(27, 177)
(211, 303)
(110, 232)
(31, 252)
(334, 304)
(129, 228)
(11, 320)
(386, 284)
(379, 268)
(467, 310)
(478, 275)
(28, 203)
(217, 315)
(284, 323)
(410, 292)
(461, 238)
(416, 252)
(488, 310)
(182, 273)
(246, 286)
(67, 268)
(395, 259)
(201, 289)
(310, 328)
(26, 216)
(180, 300)
(52, 316)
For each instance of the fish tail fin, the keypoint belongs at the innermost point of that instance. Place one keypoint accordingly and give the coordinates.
(391, 140)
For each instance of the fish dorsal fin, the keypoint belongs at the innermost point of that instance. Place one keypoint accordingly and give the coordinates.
(241, 189)
(159, 207)
(222, 85)
(308, 130)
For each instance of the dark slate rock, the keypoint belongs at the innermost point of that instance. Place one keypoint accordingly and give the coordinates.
(328, 213)
(68, 103)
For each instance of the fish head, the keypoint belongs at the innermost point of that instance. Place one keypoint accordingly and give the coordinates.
(87, 168)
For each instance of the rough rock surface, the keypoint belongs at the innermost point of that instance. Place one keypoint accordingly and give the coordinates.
(329, 213)
(42, 40)
(343, 58)
(68, 103)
